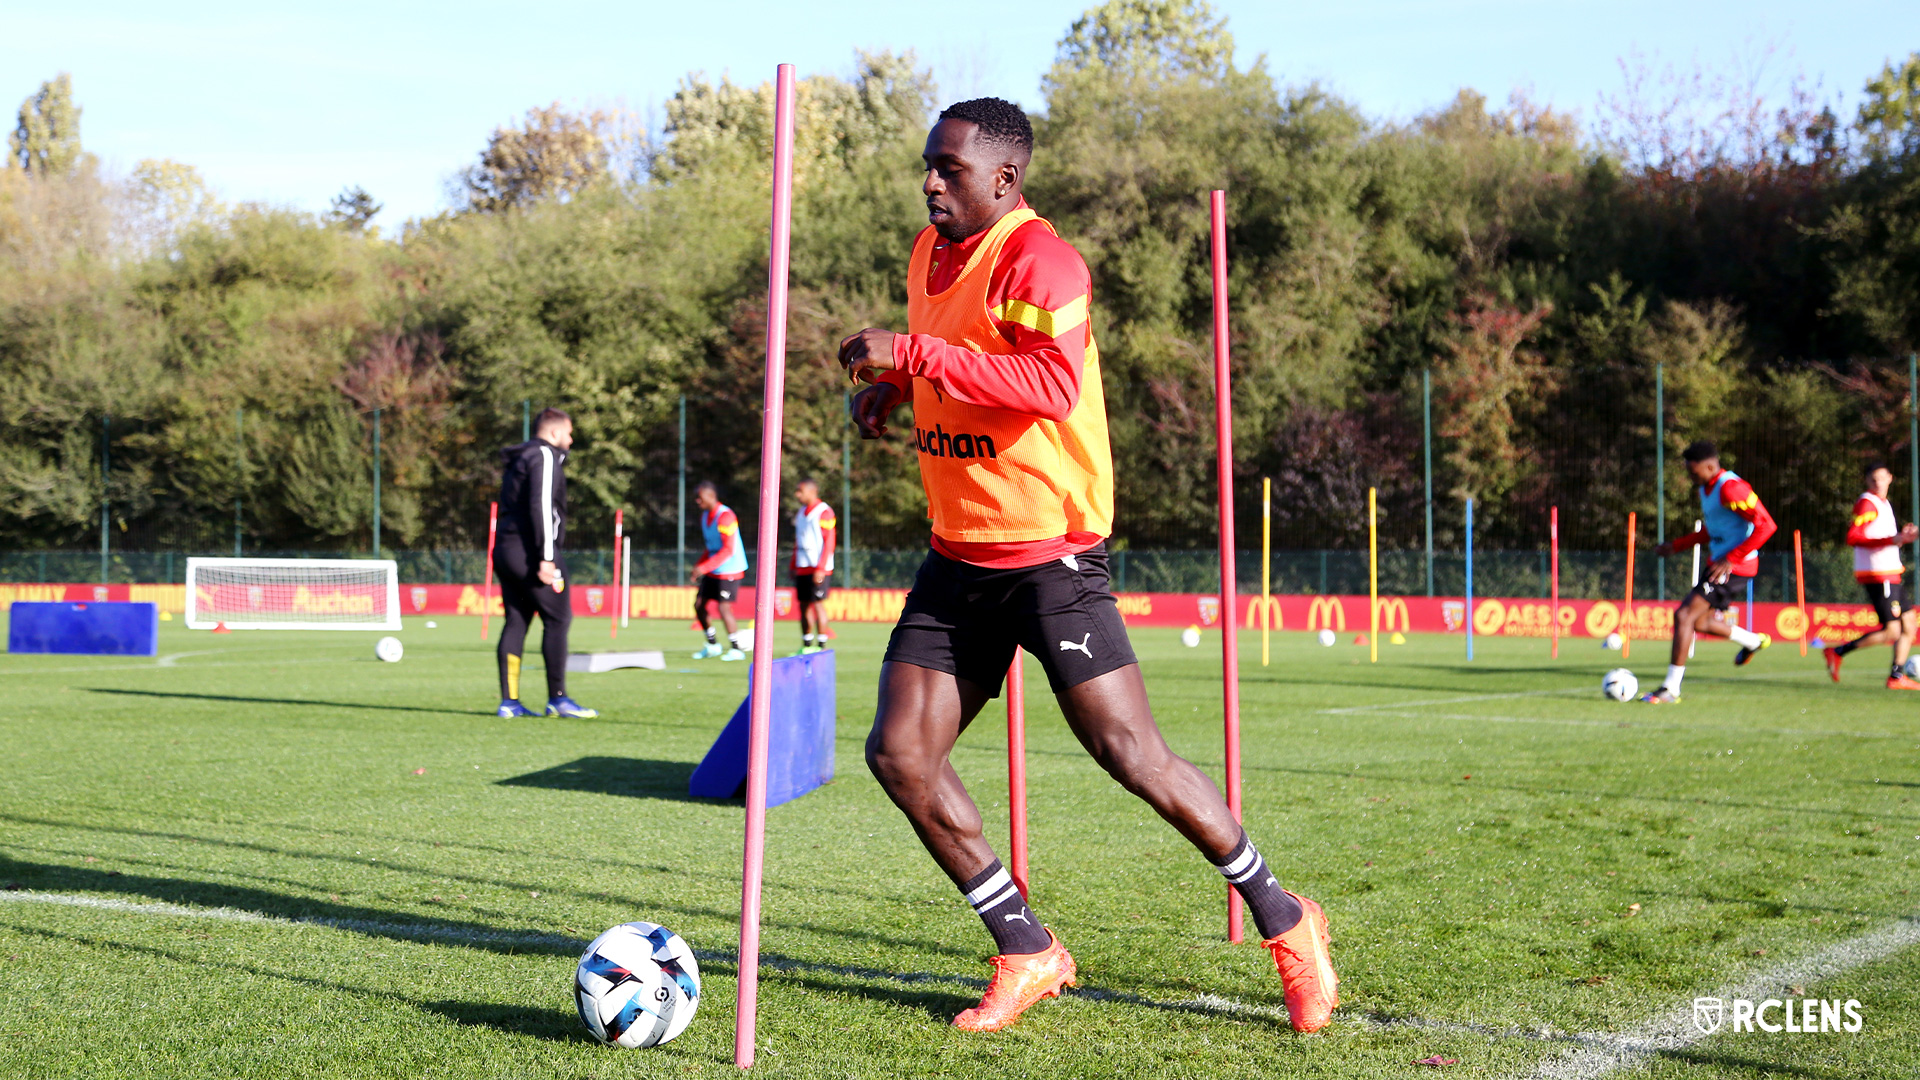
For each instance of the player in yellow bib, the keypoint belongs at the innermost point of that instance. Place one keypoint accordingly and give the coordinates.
(1011, 430)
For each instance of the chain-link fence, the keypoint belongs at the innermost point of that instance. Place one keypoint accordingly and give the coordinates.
(1583, 574)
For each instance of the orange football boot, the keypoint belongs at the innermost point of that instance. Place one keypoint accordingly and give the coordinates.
(1306, 969)
(1833, 662)
(1901, 682)
(1018, 982)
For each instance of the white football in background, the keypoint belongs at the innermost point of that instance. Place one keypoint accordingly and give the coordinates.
(1190, 637)
(1327, 638)
(389, 649)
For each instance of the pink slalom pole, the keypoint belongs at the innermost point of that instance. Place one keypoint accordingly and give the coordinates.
(1017, 768)
(1553, 544)
(761, 686)
(486, 587)
(614, 630)
(1229, 604)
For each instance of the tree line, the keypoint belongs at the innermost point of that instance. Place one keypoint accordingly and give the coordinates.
(1753, 264)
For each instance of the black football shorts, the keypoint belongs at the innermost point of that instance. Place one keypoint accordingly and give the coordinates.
(966, 620)
(715, 588)
(808, 591)
(1719, 594)
(1889, 599)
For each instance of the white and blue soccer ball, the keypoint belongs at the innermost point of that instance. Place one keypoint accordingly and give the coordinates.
(1620, 685)
(1614, 641)
(389, 649)
(637, 985)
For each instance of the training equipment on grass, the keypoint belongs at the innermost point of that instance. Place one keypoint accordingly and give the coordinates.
(638, 985)
(1327, 638)
(613, 609)
(486, 585)
(1190, 637)
(1553, 545)
(97, 628)
(1620, 684)
(1223, 434)
(389, 649)
(1800, 587)
(1266, 566)
(293, 594)
(1373, 576)
(1017, 769)
(595, 662)
(772, 415)
(1613, 642)
(799, 748)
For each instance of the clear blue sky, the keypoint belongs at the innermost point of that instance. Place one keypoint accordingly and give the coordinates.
(289, 103)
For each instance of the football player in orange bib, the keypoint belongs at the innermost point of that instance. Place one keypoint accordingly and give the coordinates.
(1011, 429)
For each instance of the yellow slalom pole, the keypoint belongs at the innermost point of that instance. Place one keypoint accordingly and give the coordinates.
(1266, 564)
(1373, 578)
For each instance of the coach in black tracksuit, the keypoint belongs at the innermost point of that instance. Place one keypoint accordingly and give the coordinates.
(533, 525)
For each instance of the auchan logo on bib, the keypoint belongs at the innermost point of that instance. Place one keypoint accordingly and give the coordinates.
(938, 443)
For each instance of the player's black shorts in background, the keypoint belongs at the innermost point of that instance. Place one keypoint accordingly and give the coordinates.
(806, 590)
(1889, 599)
(1719, 594)
(966, 620)
(714, 588)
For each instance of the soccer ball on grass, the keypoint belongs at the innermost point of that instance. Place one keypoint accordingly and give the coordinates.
(637, 985)
(389, 649)
(1620, 685)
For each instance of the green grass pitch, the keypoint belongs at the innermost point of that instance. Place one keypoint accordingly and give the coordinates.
(229, 864)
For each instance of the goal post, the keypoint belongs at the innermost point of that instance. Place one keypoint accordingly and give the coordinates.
(293, 594)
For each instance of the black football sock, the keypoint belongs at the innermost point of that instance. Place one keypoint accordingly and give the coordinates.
(1846, 647)
(1274, 912)
(997, 900)
(713, 636)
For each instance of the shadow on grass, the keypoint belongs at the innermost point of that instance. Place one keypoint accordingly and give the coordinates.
(635, 778)
(554, 1025)
(234, 699)
(1746, 1064)
(354, 918)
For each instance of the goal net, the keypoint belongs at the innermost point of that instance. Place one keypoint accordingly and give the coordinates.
(293, 594)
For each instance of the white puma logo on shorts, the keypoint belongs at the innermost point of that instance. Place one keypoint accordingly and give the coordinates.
(1068, 646)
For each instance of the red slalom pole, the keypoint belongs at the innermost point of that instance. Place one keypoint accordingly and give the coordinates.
(1017, 767)
(761, 687)
(1800, 586)
(1553, 547)
(618, 521)
(1229, 606)
(486, 587)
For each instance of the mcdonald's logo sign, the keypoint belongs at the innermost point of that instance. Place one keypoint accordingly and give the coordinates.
(1326, 611)
(1387, 606)
(1271, 605)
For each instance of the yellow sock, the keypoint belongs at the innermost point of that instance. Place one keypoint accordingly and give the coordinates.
(513, 677)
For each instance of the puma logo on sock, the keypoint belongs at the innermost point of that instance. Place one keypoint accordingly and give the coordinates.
(1068, 646)
(1021, 915)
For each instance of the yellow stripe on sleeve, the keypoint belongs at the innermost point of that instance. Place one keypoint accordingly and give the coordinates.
(1034, 317)
(1862, 519)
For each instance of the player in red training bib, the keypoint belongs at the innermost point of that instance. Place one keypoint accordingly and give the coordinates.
(1010, 426)
(1736, 526)
(1876, 539)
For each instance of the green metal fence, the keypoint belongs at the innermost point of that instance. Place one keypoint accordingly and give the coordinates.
(1583, 574)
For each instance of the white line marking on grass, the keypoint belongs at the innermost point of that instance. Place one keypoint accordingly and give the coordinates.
(1602, 1052)
(1456, 700)
(1642, 724)
(131, 668)
(171, 659)
(457, 935)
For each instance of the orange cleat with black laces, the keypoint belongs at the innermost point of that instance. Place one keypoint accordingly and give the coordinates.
(1018, 982)
(1306, 968)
